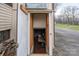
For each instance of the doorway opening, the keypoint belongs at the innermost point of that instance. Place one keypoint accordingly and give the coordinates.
(39, 33)
(39, 40)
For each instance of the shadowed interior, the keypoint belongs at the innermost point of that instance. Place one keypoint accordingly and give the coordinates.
(39, 46)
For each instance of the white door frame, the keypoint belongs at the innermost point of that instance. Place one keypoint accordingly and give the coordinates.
(28, 34)
(51, 33)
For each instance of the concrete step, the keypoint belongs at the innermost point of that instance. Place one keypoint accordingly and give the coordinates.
(39, 54)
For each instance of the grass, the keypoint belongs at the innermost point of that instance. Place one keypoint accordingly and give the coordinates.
(68, 26)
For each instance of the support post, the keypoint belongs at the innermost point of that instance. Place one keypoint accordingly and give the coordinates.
(51, 33)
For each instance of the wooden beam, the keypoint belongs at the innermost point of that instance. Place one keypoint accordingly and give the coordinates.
(24, 9)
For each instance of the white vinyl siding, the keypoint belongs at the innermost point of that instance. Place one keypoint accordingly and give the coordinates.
(5, 17)
(22, 38)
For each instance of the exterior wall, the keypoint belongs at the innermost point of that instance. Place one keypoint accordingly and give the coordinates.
(14, 22)
(8, 19)
(5, 17)
(22, 33)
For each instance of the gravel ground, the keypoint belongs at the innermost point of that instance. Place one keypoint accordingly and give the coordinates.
(66, 43)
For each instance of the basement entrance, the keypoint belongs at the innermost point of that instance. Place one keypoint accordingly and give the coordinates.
(39, 33)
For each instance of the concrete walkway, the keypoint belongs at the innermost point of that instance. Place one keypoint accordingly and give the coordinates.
(66, 42)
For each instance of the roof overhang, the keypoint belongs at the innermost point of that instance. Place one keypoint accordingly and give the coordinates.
(35, 10)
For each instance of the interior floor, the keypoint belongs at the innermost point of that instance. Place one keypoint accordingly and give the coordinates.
(39, 41)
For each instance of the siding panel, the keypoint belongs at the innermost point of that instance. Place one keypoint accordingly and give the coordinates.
(5, 17)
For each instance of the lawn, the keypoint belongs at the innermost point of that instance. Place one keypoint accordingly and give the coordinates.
(67, 26)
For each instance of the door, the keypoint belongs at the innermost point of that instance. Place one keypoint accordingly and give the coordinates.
(39, 26)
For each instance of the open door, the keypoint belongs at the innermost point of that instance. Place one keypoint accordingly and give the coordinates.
(39, 30)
